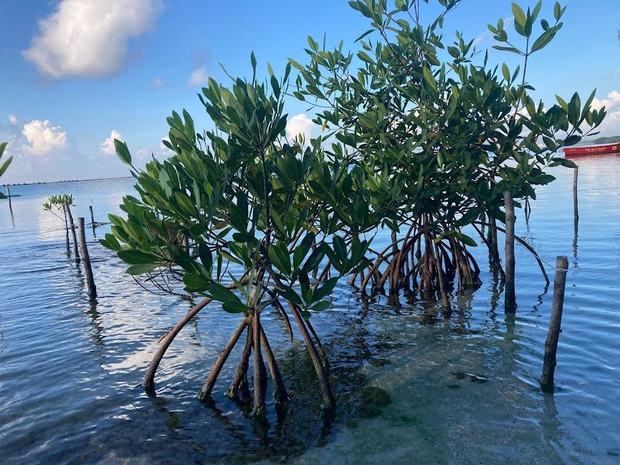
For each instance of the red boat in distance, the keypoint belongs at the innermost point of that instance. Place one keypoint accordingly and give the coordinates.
(585, 150)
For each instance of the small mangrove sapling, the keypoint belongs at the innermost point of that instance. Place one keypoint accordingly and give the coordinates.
(54, 205)
(249, 219)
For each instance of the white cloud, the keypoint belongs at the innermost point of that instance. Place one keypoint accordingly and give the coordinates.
(198, 77)
(160, 152)
(42, 137)
(611, 123)
(158, 82)
(107, 146)
(612, 101)
(299, 124)
(89, 37)
(13, 119)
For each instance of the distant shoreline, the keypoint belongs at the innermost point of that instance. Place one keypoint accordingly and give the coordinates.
(65, 181)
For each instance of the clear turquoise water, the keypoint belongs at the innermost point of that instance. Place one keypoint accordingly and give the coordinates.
(459, 391)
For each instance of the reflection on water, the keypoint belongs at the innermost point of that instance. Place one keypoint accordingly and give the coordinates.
(412, 387)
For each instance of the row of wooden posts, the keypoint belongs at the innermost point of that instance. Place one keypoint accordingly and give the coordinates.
(82, 255)
(559, 285)
(83, 248)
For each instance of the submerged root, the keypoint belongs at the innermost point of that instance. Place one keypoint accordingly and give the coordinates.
(328, 399)
(207, 387)
(258, 348)
(426, 264)
(149, 376)
(279, 392)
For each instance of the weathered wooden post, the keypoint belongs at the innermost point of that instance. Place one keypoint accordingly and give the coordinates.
(8, 194)
(93, 224)
(64, 211)
(75, 242)
(575, 198)
(88, 270)
(555, 324)
(510, 304)
(442, 281)
(528, 210)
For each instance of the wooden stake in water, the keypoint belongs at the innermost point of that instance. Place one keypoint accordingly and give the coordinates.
(510, 304)
(92, 216)
(555, 325)
(88, 270)
(64, 210)
(8, 194)
(575, 211)
(575, 198)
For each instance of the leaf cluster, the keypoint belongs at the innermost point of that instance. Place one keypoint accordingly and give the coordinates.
(438, 130)
(4, 164)
(242, 207)
(57, 202)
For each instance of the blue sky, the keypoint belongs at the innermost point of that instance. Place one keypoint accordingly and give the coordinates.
(75, 72)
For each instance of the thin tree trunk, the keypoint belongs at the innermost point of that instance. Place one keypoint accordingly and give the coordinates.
(392, 272)
(510, 304)
(575, 197)
(75, 242)
(88, 269)
(442, 283)
(8, 193)
(259, 369)
(64, 210)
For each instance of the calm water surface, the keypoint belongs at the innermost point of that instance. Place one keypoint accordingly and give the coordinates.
(412, 387)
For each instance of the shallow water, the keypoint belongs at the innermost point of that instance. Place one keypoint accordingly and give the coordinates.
(412, 387)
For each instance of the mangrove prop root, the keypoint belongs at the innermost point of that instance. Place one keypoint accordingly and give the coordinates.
(240, 380)
(521, 241)
(326, 391)
(374, 269)
(279, 392)
(258, 409)
(532, 251)
(320, 348)
(207, 387)
(396, 272)
(149, 377)
(422, 264)
(282, 312)
(493, 250)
